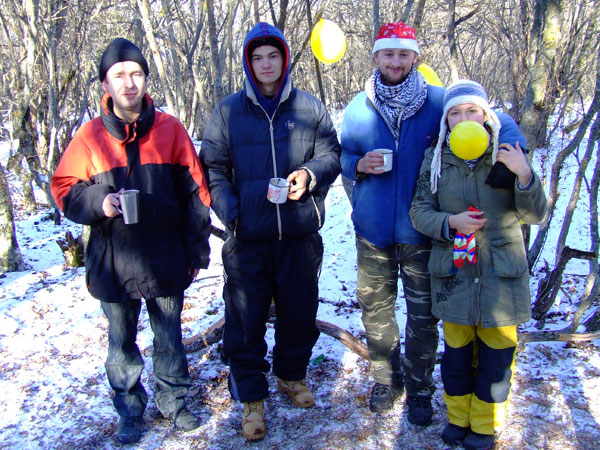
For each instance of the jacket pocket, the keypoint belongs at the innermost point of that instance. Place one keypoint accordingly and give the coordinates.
(440, 262)
(508, 257)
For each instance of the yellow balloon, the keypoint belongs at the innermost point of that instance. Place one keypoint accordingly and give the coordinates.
(429, 74)
(469, 139)
(327, 41)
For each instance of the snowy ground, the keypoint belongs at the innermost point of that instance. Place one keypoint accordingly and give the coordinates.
(55, 394)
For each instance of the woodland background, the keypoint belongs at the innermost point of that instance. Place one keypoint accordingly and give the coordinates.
(537, 58)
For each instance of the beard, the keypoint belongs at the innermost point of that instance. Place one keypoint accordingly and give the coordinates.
(395, 82)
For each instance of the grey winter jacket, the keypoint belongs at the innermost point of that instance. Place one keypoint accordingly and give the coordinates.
(494, 290)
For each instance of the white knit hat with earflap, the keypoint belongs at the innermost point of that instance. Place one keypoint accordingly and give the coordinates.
(459, 93)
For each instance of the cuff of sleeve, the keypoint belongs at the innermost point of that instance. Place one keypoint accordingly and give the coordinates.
(446, 229)
(103, 191)
(312, 181)
(526, 188)
(358, 175)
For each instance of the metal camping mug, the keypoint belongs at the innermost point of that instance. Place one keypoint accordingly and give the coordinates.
(388, 159)
(278, 190)
(129, 200)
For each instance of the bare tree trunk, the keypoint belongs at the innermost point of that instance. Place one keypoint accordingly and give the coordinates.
(10, 254)
(419, 13)
(317, 67)
(406, 13)
(453, 23)
(15, 164)
(452, 41)
(282, 15)
(553, 195)
(592, 282)
(52, 110)
(546, 31)
(376, 24)
(179, 100)
(568, 217)
(144, 9)
(256, 12)
(214, 51)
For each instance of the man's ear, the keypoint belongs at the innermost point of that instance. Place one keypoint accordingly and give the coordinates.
(104, 86)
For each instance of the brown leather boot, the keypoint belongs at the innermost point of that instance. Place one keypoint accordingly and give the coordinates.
(297, 392)
(253, 424)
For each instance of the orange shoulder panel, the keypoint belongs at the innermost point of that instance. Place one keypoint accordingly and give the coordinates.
(91, 151)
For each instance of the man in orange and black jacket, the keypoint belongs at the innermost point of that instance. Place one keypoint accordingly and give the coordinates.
(133, 146)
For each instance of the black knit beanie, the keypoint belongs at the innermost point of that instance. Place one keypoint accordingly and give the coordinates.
(259, 42)
(121, 50)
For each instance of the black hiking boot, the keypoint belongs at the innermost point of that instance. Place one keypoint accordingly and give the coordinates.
(384, 395)
(419, 410)
(477, 441)
(130, 429)
(453, 434)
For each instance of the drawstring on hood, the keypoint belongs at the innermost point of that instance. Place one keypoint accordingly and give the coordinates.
(262, 31)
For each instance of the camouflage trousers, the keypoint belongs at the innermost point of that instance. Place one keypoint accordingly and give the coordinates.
(377, 290)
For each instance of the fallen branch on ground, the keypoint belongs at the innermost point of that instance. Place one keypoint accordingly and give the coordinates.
(558, 335)
(215, 332)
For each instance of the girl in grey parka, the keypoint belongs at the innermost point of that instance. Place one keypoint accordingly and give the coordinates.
(483, 300)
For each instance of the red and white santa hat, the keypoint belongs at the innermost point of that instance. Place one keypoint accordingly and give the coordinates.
(396, 36)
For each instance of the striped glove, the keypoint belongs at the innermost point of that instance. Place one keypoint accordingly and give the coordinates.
(464, 247)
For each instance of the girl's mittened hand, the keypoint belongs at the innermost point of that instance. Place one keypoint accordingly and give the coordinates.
(516, 161)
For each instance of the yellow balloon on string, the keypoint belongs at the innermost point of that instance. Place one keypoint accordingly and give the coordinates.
(429, 74)
(469, 139)
(327, 41)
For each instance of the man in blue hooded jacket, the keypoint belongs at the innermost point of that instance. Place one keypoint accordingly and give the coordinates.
(400, 112)
(267, 130)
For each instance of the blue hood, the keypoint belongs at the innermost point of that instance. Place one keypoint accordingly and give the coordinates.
(260, 31)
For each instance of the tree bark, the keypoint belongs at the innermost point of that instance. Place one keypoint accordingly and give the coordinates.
(557, 166)
(568, 217)
(317, 67)
(144, 9)
(376, 24)
(256, 11)
(546, 31)
(214, 51)
(453, 61)
(10, 254)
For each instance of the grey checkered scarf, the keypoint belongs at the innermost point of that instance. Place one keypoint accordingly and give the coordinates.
(399, 102)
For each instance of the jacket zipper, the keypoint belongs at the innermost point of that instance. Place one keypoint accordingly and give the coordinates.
(270, 119)
(275, 173)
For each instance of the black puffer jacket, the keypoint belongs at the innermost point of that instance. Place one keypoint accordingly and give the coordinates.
(156, 156)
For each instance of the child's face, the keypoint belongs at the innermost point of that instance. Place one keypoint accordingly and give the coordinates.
(466, 111)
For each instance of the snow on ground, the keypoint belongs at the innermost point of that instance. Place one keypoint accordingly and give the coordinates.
(55, 395)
